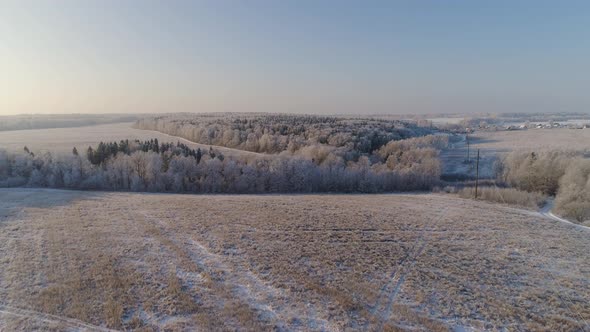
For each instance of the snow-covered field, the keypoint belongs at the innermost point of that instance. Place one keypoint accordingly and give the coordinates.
(447, 120)
(91, 260)
(62, 140)
(493, 144)
(509, 140)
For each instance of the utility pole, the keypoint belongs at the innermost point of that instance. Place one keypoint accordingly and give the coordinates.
(476, 173)
(467, 139)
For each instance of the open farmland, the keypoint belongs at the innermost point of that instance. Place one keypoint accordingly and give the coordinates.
(532, 139)
(62, 140)
(493, 144)
(92, 260)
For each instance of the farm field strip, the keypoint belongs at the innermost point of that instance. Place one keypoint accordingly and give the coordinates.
(63, 140)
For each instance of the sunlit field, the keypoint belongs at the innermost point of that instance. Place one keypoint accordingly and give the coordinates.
(296, 262)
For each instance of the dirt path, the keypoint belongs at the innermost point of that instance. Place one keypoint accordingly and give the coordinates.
(223, 149)
(547, 211)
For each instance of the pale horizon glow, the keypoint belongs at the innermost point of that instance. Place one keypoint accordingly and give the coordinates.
(294, 56)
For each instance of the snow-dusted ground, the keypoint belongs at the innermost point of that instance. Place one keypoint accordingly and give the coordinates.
(96, 260)
(458, 160)
(547, 212)
(494, 144)
(536, 139)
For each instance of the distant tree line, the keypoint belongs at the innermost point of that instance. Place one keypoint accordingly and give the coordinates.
(150, 166)
(276, 133)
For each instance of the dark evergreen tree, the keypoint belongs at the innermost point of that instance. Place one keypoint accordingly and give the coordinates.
(198, 155)
(90, 155)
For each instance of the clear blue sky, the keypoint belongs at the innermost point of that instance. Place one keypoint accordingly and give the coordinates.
(294, 56)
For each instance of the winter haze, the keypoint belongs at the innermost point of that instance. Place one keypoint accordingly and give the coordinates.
(289, 56)
(294, 166)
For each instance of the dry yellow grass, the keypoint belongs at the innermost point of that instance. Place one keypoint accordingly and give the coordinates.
(297, 262)
(531, 200)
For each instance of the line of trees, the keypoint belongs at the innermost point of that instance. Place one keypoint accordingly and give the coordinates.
(104, 151)
(149, 166)
(275, 133)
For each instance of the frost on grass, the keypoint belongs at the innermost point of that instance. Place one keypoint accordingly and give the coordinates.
(290, 262)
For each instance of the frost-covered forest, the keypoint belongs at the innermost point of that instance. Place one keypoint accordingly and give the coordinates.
(276, 133)
(564, 174)
(409, 164)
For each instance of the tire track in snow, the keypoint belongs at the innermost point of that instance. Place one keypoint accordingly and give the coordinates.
(383, 307)
(50, 319)
(267, 300)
